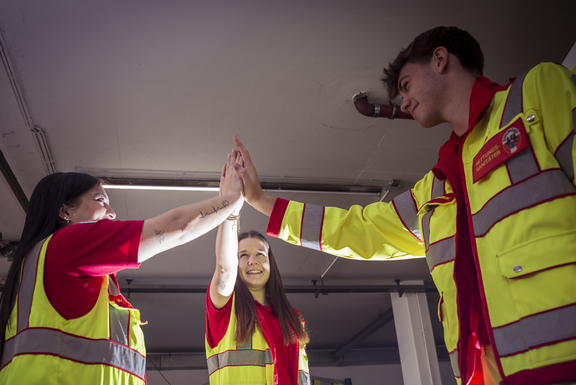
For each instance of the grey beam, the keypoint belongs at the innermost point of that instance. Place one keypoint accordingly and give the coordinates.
(373, 327)
(316, 358)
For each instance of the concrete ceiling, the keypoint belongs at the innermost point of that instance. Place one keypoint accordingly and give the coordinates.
(157, 89)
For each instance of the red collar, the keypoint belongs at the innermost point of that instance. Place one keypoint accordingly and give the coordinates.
(482, 94)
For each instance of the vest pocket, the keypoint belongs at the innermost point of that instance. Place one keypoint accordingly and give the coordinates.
(538, 254)
(441, 307)
(539, 276)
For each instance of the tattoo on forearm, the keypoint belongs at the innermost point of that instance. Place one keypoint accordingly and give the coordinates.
(214, 209)
(220, 284)
(159, 235)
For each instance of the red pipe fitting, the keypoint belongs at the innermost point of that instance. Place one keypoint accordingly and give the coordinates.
(390, 111)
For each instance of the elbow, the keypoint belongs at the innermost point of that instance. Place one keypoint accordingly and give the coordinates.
(186, 229)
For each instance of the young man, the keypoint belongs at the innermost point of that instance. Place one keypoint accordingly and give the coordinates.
(495, 217)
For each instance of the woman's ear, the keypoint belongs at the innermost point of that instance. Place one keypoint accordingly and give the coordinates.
(64, 213)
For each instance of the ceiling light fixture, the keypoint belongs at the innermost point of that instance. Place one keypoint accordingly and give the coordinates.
(212, 185)
(158, 188)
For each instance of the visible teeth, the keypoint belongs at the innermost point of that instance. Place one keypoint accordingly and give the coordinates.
(253, 272)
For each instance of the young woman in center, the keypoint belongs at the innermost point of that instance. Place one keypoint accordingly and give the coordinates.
(253, 335)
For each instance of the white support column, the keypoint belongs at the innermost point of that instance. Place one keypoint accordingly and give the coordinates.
(415, 338)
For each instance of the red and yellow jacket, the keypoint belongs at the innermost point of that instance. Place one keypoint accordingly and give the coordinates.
(515, 176)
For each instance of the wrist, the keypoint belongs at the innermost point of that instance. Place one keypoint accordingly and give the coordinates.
(264, 204)
(234, 216)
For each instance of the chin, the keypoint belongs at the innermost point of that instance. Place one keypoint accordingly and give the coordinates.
(429, 123)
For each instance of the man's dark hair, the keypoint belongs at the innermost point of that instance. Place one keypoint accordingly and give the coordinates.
(457, 41)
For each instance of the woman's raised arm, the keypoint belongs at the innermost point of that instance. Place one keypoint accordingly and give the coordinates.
(226, 271)
(185, 223)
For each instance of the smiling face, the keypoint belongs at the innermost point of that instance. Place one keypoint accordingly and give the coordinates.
(93, 205)
(421, 93)
(253, 263)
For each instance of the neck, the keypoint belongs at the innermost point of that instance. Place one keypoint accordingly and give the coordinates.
(458, 107)
(260, 295)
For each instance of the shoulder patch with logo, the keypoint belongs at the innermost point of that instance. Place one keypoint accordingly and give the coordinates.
(505, 145)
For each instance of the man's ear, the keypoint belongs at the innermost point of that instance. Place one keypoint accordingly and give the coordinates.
(440, 59)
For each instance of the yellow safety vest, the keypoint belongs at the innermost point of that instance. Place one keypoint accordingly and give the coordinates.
(105, 346)
(522, 219)
(250, 363)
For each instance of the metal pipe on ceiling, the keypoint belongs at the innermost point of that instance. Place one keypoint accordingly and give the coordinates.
(13, 182)
(373, 110)
(296, 289)
(37, 132)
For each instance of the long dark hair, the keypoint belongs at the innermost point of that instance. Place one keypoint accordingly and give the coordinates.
(42, 219)
(291, 324)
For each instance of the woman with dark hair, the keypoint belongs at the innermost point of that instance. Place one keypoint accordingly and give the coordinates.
(253, 335)
(62, 317)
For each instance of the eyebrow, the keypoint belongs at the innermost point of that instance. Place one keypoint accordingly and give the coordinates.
(244, 251)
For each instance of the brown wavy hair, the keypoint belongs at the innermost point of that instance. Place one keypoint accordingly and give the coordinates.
(293, 329)
(458, 42)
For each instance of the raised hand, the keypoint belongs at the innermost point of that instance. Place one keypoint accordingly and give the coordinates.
(252, 190)
(230, 180)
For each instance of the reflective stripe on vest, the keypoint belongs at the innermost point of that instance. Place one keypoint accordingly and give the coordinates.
(543, 187)
(245, 356)
(426, 229)
(406, 210)
(564, 152)
(303, 378)
(438, 187)
(119, 325)
(239, 358)
(119, 320)
(454, 363)
(523, 165)
(26, 292)
(312, 226)
(541, 329)
(513, 101)
(76, 348)
(441, 252)
(81, 350)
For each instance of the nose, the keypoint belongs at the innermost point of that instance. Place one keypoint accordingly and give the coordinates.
(110, 213)
(251, 260)
(405, 106)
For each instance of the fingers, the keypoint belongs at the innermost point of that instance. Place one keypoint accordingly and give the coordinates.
(239, 159)
(242, 149)
(239, 169)
(222, 178)
(233, 155)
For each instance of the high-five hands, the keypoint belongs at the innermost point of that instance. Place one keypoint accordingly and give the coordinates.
(252, 190)
(230, 180)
